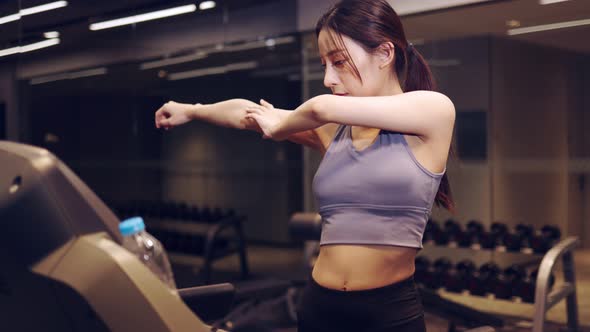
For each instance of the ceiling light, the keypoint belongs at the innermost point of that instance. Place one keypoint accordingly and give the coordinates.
(212, 70)
(513, 23)
(9, 18)
(43, 8)
(30, 47)
(51, 34)
(545, 27)
(68, 76)
(270, 42)
(409, 7)
(32, 10)
(548, 2)
(173, 61)
(207, 5)
(143, 17)
(258, 44)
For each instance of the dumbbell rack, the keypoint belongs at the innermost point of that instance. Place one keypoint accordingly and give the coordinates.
(213, 233)
(545, 300)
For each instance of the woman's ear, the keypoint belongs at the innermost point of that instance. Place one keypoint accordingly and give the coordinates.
(386, 54)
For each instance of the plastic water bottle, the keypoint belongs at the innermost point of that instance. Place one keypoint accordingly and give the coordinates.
(147, 248)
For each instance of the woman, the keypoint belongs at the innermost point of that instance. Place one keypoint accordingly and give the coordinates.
(385, 136)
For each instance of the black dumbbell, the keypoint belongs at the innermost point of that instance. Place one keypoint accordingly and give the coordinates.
(423, 272)
(551, 232)
(474, 232)
(458, 277)
(545, 239)
(484, 279)
(206, 214)
(512, 242)
(498, 230)
(453, 229)
(526, 233)
(441, 237)
(486, 240)
(184, 212)
(506, 284)
(195, 214)
(441, 268)
(230, 213)
(527, 287)
(217, 214)
(432, 227)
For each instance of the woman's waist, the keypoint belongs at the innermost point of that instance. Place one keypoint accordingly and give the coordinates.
(358, 267)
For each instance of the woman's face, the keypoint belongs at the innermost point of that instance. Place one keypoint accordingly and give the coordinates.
(339, 74)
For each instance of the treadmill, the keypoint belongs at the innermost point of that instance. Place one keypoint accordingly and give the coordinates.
(62, 266)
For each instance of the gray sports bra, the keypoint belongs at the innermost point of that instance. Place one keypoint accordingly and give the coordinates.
(379, 195)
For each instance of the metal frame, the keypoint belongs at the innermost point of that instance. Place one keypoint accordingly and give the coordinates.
(544, 299)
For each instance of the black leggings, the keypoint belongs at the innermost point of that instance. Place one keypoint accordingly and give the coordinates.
(396, 307)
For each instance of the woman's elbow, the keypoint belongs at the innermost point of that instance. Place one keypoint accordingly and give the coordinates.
(319, 109)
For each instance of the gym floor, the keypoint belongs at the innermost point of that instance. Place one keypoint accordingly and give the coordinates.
(286, 263)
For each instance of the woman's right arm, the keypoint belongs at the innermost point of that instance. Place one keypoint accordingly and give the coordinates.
(232, 114)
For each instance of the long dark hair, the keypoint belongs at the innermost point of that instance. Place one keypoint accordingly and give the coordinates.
(372, 23)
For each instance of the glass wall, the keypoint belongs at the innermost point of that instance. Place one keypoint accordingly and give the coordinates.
(91, 100)
(520, 147)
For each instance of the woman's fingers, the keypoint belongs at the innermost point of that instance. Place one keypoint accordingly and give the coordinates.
(161, 115)
(254, 110)
(265, 103)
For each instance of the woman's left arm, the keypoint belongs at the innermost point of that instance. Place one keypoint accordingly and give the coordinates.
(422, 113)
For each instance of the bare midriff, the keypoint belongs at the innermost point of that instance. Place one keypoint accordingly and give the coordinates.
(361, 267)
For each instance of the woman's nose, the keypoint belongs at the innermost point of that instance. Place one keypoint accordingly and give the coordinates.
(330, 79)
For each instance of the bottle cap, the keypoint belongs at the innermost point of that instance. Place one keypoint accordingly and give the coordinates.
(131, 226)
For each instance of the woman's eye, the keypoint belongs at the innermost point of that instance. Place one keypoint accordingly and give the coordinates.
(339, 63)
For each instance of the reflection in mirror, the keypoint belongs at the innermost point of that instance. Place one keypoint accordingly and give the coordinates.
(91, 100)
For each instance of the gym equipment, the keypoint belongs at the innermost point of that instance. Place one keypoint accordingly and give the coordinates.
(57, 226)
(458, 278)
(545, 239)
(544, 299)
(506, 283)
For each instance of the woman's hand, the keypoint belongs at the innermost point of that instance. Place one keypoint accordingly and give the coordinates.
(174, 114)
(267, 117)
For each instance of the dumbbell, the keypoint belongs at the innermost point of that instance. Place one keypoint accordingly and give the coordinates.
(195, 214)
(498, 231)
(527, 287)
(512, 242)
(434, 233)
(183, 212)
(483, 280)
(458, 277)
(525, 232)
(440, 272)
(491, 239)
(217, 214)
(475, 229)
(545, 239)
(423, 273)
(506, 283)
(456, 234)
(206, 214)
